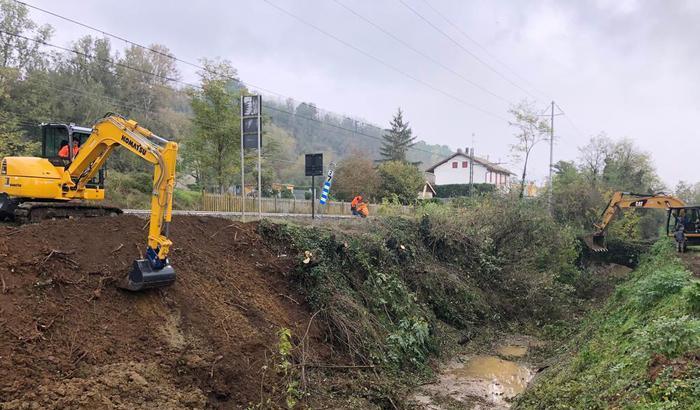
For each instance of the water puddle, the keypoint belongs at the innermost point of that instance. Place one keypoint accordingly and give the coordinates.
(479, 381)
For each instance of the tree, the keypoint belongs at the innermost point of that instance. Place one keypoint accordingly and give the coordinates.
(15, 51)
(593, 156)
(400, 179)
(355, 174)
(689, 193)
(530, 130)
(213, 149)
(629, 169)
(397, 140)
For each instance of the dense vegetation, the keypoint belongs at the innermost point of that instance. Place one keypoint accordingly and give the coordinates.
(639, 351)
(399, 291)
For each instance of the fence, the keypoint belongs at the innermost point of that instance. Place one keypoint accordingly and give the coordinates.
(234, 203)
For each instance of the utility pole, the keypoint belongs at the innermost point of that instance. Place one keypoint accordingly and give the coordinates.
(242, 163)
(471, 171)
(259, 159)
(551, 160)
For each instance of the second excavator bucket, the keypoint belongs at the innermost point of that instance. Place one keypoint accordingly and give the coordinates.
(144, 276)
(596, 242)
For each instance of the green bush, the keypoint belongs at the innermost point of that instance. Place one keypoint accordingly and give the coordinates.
(459, 190)
(664, 282)
(670, 336)
(691, 294)
(409, 342)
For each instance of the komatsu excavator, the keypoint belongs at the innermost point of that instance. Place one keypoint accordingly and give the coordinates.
(35, 188)
(682, 222)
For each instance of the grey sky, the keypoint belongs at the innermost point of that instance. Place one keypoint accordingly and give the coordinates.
(625, 67)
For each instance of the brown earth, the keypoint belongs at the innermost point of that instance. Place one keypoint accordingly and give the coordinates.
(70, 339)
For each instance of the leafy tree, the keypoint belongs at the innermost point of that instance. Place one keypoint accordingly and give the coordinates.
(13, 143)
(355, 174)
(401, 179)
(214, 147)
(397, 140)
(15, 51)
(574, 201)
(629, 169)
(689, 193)
(531, 129)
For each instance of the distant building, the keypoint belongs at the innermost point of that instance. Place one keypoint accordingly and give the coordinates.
(455, 170)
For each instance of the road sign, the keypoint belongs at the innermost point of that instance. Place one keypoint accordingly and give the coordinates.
(313, 165)
(251, 138)
(327, 185)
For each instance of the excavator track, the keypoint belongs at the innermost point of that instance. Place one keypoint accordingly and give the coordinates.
(31, 212)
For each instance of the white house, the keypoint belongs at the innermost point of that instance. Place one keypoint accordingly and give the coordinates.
(455, 170)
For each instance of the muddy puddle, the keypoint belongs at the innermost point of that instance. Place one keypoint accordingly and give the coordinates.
(479, 381)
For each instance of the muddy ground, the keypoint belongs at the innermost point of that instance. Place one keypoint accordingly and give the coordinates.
(70, 339)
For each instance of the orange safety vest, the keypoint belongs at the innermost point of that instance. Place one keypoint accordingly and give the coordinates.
(355, 201)
(363, 210)
(63, 152)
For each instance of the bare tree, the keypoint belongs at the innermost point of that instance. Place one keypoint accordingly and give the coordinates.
(531, 129)
(593, 156)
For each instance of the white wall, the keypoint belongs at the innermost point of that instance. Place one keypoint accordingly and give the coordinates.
(445, 174)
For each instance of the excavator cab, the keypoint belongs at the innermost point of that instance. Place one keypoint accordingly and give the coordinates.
(54, 135)
(683, 225)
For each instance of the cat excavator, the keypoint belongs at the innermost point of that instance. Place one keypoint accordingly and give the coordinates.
(682, 221)
(47, 187)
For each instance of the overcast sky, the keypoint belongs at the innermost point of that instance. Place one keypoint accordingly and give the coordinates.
(628, 68)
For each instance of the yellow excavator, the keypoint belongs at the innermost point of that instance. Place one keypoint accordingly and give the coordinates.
(47, 187)
(682, 221)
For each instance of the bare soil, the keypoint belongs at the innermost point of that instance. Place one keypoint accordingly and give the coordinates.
(70, 339)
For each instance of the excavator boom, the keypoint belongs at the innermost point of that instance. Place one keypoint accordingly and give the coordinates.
(625, 200)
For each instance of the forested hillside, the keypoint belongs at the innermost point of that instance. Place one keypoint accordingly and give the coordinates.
(42, 81)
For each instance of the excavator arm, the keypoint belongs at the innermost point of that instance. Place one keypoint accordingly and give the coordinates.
(625, 200)
(114, 131)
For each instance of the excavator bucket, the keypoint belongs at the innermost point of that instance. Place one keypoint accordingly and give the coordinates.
(144, 276)
(595, 242)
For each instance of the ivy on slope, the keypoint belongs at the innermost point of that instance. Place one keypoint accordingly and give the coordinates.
(640, 351)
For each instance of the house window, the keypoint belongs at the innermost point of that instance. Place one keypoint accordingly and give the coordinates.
(454, 164)
(465, 164)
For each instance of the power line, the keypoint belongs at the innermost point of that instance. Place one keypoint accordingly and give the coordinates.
(422, 54)
(203, 68)
(384, 63)
(568, 118)
(483, 48)
(466, 50)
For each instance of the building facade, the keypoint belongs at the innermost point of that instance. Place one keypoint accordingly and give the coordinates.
(455, 169)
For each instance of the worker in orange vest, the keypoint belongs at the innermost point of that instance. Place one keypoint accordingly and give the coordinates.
(353, 205)
(63, 152)
(362, 209)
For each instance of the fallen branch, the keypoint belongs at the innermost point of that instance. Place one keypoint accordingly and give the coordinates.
(211, 373)
(62, 255)
(16, 231)
(289, 297)
(303, 348)
(121, 245)
(227, 226)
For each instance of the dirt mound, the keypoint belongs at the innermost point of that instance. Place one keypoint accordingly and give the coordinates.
(70, 339)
